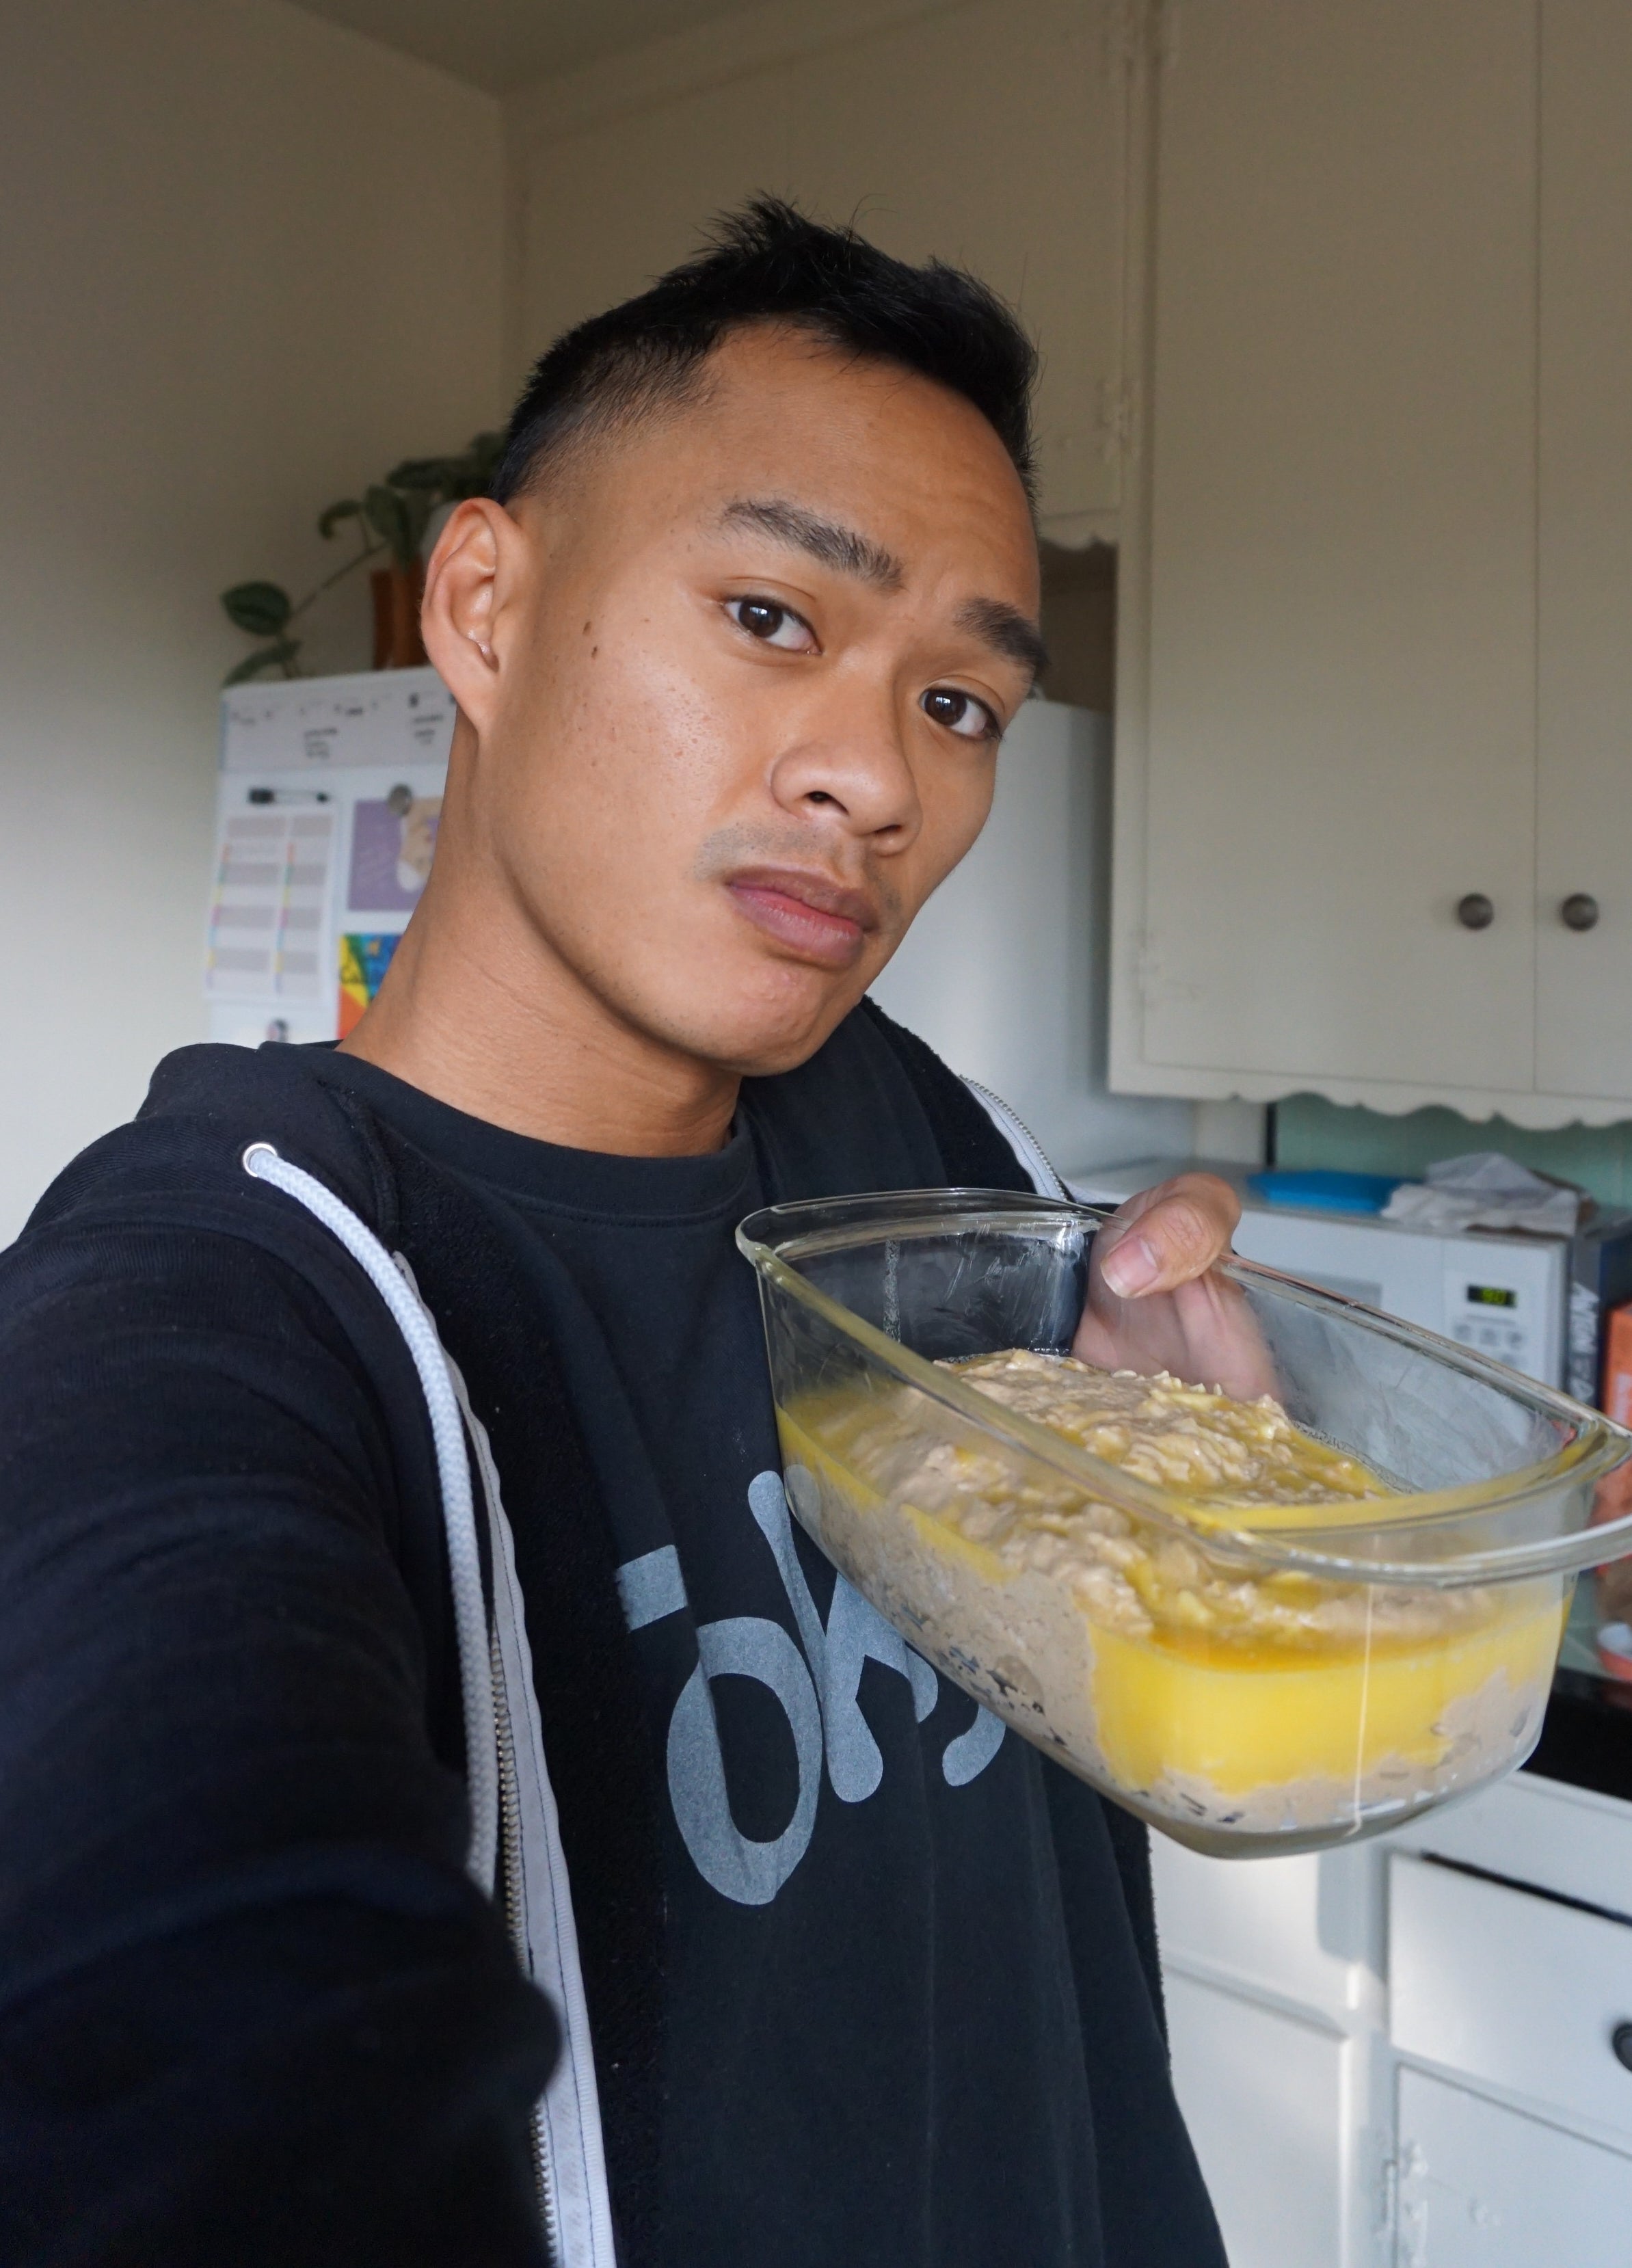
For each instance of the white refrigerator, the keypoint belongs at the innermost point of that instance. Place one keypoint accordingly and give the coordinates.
(1004, 972)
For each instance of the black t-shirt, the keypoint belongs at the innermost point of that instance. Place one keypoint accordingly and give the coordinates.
(872, 2050)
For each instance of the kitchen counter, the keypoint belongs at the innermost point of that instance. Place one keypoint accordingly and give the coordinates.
(1586, 1741)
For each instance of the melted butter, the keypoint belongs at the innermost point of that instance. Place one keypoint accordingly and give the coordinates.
(1243, 1720)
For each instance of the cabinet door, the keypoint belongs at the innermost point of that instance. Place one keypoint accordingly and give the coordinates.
(1481, 2187)
(994, 134)
(1341, 587)
(1263, 2097)
(1584, 1007)
(1305, 1929)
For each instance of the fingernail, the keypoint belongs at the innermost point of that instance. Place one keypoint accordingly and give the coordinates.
(1132, 1268)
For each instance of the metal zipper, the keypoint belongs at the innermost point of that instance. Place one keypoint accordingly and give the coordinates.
(1007, 1118)
(512, 1894)
(497, 1828)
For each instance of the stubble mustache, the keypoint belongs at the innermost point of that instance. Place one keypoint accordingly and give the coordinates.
(729, 849)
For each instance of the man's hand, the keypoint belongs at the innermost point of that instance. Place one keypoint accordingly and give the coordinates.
(1157, 1302)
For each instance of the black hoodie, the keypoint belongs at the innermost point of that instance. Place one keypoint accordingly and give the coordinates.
(251, 2008)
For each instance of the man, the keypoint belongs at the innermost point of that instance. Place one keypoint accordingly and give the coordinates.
(733, 647)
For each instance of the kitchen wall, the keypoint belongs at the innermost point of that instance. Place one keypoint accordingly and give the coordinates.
(247, 261)
(1312, 1131)
(989, 132)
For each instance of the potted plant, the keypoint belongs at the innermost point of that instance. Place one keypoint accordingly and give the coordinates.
(389, 520)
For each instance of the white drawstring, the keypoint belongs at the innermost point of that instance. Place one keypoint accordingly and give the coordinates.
(470, 1617)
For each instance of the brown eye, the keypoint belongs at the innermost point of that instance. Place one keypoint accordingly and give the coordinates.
(772, 623)
(959, 712)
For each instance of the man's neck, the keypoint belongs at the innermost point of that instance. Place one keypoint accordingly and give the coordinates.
(497, 1030)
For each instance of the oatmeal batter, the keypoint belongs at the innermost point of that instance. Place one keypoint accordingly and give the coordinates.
(1262, 1702)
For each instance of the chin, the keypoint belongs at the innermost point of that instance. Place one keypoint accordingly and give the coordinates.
(757, 1038)
(766, 1062)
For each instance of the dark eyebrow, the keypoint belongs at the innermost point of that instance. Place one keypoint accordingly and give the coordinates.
(835, 545)
(1007, 630)
(996, 623)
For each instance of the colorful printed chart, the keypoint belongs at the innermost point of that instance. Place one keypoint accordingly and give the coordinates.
(363, 960)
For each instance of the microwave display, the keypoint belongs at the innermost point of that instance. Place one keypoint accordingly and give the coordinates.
(1491, 1295)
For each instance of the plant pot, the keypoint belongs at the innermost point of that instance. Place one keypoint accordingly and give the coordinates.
(397, 592)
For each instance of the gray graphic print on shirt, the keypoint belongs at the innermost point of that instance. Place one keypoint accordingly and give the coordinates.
(818, 1691)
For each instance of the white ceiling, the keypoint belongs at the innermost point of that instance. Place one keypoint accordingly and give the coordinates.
(501, 44)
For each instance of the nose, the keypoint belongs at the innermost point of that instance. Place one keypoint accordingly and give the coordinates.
(849, 756)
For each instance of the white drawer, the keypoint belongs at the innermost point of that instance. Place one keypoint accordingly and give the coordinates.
(1560, 1839)
(1511, 1988)
(1299, 1928)
(1482, 2186)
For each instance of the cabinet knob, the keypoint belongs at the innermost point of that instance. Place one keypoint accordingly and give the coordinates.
(1476, 910)
(1620, 2040)
(1578, 911)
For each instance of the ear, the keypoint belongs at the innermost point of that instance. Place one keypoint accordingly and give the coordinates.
(480, 556)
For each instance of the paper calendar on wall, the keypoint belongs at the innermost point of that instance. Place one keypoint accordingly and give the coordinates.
(327, 816)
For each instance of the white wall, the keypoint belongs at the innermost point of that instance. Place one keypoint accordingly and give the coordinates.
(246, 260)
(1004, 972)
(991, 132)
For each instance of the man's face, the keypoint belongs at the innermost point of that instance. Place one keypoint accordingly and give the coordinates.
(755, 654)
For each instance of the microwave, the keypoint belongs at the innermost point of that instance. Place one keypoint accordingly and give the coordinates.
(1534, 1302)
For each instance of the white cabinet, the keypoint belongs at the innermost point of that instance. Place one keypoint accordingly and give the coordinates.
(1340, 741)
(1583, 978)
(1480, 2186)
(1262, 2094)
(1514, 1988)
(1274, 2016)
(1306, 1932)
(1378, 567)
(1461, 2106)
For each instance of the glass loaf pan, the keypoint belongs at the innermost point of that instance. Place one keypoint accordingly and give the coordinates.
(1386, 1653)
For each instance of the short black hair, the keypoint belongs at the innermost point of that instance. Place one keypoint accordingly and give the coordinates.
(770, 263)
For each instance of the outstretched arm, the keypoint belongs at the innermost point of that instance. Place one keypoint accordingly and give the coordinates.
(251, 2008)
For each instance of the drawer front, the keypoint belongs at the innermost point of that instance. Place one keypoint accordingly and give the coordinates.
(1263, 2097)
(1300, 1928)
(1511, 1988)
(1484, 2187)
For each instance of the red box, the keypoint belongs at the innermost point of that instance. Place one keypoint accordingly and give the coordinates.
(1618, 1365)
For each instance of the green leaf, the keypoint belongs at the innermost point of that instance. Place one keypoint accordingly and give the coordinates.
(260, 608)
(264, 657)
(429, 473)
(450, 479)
(417, 507)
(348, 509)
(388, 517)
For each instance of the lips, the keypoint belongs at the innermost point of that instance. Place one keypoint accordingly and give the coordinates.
(806, 914)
